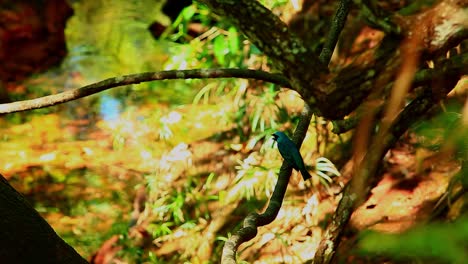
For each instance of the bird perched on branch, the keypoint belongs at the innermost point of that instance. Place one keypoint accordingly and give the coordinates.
(290, 153)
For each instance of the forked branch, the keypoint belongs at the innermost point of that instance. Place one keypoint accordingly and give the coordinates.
(255, 220)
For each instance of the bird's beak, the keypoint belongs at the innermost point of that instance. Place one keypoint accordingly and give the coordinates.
(275, 137)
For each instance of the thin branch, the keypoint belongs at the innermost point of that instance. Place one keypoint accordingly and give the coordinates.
(455, 66)
(337, 25)
(87, 90)
(255, 220)
(444, 206)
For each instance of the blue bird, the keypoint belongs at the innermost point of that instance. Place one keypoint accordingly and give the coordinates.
(290, 153)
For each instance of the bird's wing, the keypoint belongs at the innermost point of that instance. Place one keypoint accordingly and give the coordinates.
(298, 159)
(288, 152)
(299, 163)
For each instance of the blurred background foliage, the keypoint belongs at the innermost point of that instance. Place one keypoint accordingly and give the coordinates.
(431, 243)
(168, 169)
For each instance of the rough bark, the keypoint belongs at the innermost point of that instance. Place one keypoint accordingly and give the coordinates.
(287, 52)
(255, 220)
(335, 95)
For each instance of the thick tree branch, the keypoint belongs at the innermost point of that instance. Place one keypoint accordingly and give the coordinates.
(328, 94)
(450, 70)
(442, 27)
(287, 52)
(77, 93)
(254, 220)
(25, 236)
(412, 113)
(390, 129)
(343, 126)
(439, 31)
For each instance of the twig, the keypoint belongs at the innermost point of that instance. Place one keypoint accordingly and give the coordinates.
(337, 25)
(443, 205)
(87, 90)
(255, 220)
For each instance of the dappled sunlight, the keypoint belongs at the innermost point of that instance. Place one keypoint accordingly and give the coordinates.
(165, 170)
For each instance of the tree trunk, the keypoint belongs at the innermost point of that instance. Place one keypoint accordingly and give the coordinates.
(25, 237)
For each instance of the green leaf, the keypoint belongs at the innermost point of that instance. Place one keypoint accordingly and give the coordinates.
(233, 40)
(255, 120)
(220, 48)
(188, 12)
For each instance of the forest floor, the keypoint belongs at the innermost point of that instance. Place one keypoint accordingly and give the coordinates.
(86, 188)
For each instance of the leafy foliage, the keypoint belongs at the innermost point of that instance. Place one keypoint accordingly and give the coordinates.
(205, 165)
(431, 243)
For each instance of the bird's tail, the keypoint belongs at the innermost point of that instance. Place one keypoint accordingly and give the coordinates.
(305, 174)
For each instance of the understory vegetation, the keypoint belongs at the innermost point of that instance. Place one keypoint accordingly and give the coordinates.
(167, 171)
